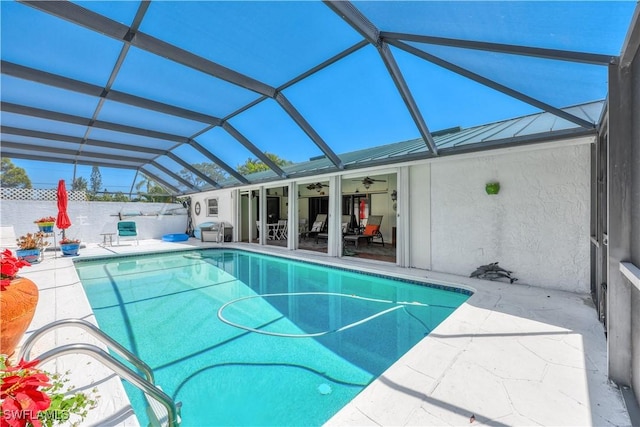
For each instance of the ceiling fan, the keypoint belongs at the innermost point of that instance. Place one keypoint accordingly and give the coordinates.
(366, 181)
(317, 186)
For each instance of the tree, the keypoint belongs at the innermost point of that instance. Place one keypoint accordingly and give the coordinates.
(157, 194)
(152, 191)
(211, 170)
(79, 184)
(13, 176)
(96, 179)
(255, 165)
(145, 182)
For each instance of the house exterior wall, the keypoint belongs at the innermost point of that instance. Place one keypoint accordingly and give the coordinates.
(89, 219)
(225, 207)
(420, 216)
(537, 226)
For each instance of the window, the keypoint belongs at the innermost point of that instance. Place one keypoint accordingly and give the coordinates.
(212, 207)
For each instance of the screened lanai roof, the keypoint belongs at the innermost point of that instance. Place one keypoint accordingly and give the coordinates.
(168, 89)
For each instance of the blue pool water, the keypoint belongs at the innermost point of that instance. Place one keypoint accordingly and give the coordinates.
(247, 339)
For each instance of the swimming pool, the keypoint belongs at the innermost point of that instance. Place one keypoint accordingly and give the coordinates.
(248, 339)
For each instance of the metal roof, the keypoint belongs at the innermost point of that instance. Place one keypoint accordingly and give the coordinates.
(166, 88)
(533, 128)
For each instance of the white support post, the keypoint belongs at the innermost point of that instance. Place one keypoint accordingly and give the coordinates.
(334, 244)
(403, 235)
(262, 208)
(292, 217)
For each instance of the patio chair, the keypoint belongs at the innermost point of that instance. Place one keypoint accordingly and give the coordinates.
(303, 228)
(371, 231)
(127, 229)
(271, 230)
(318, 226)
(281, 231)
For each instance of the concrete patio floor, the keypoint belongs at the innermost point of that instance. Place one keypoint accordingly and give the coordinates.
(511, 355)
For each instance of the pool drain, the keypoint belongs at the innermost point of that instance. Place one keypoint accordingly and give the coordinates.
(324, 388)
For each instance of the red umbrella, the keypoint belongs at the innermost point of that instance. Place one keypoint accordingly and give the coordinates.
(363, 208)
(62, 222)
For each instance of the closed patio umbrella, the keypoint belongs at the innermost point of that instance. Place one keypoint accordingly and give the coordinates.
(62, 221)
(363, 208)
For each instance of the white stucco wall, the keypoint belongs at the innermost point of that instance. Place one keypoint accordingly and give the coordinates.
(89, 219)
(420, 216)
(537, 226)
(226, 210)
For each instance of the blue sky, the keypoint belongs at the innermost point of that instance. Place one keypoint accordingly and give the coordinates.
(352, 104)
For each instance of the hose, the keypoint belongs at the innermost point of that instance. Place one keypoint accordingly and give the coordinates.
(401, 305)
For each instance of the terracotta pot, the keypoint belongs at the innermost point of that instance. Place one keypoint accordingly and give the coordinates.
(17, 306)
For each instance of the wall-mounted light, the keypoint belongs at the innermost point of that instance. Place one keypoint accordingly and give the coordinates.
(394, 195)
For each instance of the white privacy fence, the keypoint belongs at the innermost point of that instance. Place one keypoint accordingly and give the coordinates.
(90, 219)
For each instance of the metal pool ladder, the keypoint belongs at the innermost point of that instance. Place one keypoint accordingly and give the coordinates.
(164, 408)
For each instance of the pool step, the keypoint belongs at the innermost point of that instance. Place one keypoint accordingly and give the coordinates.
(157, 412)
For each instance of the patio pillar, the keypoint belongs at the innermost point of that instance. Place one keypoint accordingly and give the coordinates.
(623, 310)
(292, 216)
(334, 243)
(403, 219)
(619, 224)
(262, 208)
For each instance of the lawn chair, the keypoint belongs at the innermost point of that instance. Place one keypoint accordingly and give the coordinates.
(318, 226)
(282, 230)
(127, 229)
(371, 231)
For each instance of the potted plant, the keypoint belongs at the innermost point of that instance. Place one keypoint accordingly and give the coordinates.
(45, 224)
(30, 246)
(18, 300)
(492, 188)
(70, 246)
(33, 397)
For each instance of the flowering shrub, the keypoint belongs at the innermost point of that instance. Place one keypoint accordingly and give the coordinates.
(46, 219)
(32, 397)
(66, 241)
(32, 241)
(9, 267)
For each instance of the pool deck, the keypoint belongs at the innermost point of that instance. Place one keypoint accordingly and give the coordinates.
(510, 355)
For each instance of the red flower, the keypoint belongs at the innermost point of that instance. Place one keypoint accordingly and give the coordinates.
(45, 219)
(9, 267)
(21, 399)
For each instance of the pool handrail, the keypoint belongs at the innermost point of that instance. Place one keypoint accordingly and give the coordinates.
(97, 333)
(122, 370)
